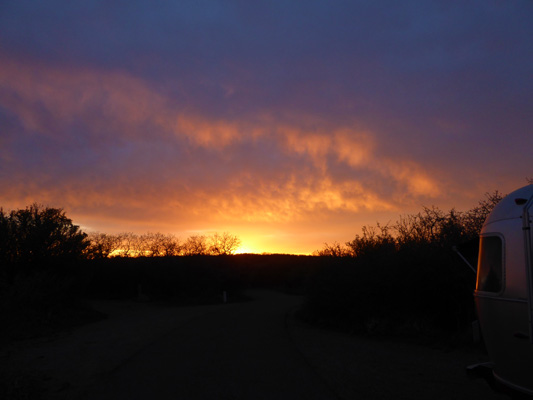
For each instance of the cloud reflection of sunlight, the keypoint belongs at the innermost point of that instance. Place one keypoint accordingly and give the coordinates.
(122, 153)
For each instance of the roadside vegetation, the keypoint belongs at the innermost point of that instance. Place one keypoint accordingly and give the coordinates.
(401, 279)
(49, 268)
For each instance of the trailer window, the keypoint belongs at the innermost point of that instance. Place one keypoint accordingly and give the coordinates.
(490, 264)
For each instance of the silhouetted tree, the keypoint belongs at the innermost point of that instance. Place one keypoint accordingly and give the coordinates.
(159, 245)
(35, 237)
(102, 245)
(196, 245)
(475, 217)
(224, 244)
(372, 240)
(332, 250)
(138, 245)
(171, 245)
(127, 244)
(153, 245)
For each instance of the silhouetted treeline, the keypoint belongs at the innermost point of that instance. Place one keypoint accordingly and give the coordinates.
(402, 278)
(127, 244)
(47, 265)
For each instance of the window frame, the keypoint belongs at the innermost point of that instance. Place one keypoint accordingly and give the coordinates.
(503, 262)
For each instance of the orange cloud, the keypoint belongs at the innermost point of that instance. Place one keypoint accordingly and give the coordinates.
(414, 177)
(354, 148)
(358, 149)
(212, 134)
(259, 170)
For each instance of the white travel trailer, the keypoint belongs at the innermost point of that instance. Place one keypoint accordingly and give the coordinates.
(504, 291)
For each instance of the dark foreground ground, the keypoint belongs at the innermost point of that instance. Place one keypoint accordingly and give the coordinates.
(250, 350)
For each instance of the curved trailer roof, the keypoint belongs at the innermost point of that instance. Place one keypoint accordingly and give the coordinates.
(511, 206)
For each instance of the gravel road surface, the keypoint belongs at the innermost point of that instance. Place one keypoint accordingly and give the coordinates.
(251, 350)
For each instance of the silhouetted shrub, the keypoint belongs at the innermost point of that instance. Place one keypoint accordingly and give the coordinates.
(401, 279)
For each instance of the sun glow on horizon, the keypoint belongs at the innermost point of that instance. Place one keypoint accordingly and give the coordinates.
(247, 250)
(250, 245)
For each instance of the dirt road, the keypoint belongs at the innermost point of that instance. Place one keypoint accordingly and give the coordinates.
(252, 350)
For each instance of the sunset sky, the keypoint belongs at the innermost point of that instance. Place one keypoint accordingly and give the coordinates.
(286, 123)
